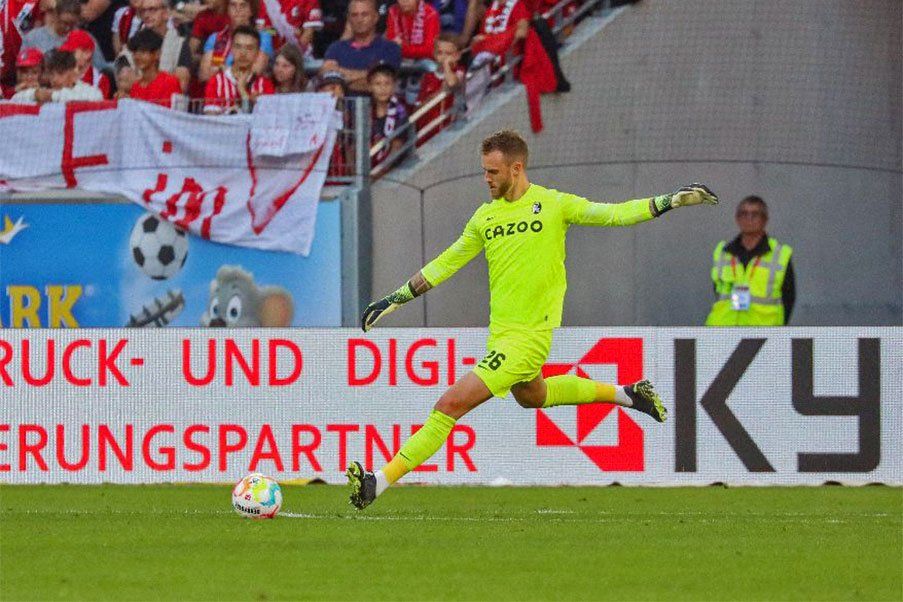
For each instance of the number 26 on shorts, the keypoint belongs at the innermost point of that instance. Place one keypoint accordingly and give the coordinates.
(493, 360)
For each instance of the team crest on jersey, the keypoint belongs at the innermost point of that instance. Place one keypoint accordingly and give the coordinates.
(537, 207)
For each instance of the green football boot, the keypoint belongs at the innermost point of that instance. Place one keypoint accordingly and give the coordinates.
(363, 486)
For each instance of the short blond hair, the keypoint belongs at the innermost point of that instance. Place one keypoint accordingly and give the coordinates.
(509, 143)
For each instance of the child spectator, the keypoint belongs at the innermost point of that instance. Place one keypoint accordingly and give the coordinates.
(288, 71)
(449, 76)
(235, 87)
(334, 84)
(388, 113)
(505, 23)
(28, 70)
(218, 48)
(80, 43)
(413, 25)
(126, 23)
(154, 85)
(65, 85)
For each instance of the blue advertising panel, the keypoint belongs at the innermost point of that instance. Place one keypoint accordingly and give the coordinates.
(108, 265)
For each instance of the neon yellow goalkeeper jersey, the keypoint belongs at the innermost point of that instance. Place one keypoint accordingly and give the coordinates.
(525, 250)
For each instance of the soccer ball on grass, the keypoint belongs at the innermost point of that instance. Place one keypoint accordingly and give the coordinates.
(257, 496)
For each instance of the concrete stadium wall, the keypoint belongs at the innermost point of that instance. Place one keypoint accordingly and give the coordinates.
(799, 102)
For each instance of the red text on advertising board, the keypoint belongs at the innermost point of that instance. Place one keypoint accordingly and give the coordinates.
(82, 362)
(627, 355)
(226, 362)
(219, 448)
(424, 362)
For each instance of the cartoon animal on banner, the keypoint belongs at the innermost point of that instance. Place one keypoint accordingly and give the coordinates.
(236, 300)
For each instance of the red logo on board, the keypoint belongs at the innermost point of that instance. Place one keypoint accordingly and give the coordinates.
(627, 455)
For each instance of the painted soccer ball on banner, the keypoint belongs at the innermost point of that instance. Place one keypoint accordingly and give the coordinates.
(159, 248)
(257, 496)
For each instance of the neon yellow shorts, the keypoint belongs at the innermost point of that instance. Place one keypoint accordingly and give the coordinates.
(512, 357)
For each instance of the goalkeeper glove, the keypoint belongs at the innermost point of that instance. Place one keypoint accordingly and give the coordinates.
(694, 194)
(385, 306)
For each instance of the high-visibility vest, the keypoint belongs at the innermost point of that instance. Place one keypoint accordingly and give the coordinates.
(764, 276)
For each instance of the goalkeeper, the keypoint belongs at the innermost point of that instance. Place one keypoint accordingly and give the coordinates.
(522, 231)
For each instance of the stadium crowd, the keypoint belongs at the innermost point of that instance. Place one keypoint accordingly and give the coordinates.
(221, 55)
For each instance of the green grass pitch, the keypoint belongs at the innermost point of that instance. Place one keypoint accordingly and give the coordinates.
(184, 542)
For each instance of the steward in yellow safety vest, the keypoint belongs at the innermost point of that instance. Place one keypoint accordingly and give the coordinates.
(752, 274)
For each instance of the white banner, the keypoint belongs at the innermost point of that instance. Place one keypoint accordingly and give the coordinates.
(756, 406)
(247, 180)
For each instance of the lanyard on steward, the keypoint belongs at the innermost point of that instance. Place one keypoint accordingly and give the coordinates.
(741, 299)
(751, 273)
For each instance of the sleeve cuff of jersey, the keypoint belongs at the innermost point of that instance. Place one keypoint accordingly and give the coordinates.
(430, 275)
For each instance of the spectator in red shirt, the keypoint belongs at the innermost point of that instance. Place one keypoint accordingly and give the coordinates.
(505, 23)
(413, 25)
(126, 23)
(80, 43)
(208, 22)
(449, 76)
(306, 17)
(236, 87)
(288, 71)
(17, 18)
(154, 85)
(28, 70)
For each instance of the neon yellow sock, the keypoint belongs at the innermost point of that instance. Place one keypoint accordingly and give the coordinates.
(421, 446)
(568, 390)
(571, 390)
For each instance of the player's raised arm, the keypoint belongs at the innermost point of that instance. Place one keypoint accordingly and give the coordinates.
(468, 245)
(584, 212)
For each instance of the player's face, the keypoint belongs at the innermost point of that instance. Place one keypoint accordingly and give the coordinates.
(499, 173)
(362, 18)
(244, 51)
(407, 6)
(751, 218)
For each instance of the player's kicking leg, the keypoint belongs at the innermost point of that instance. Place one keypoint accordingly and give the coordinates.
(569, 389)
(458, 400)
